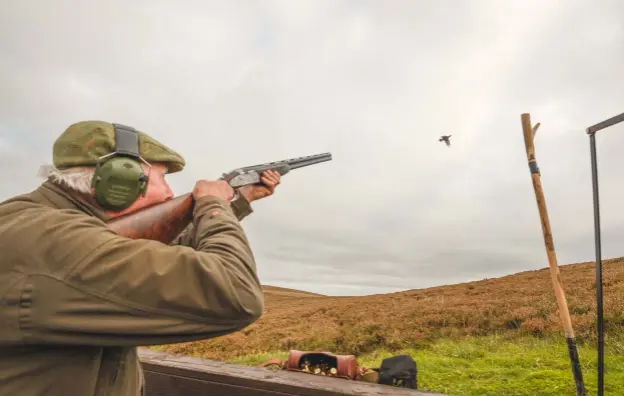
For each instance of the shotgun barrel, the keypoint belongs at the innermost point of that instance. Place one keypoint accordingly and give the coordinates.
(293, 163)
(309, 160)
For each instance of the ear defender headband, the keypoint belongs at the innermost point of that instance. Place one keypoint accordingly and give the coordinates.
(119, 178)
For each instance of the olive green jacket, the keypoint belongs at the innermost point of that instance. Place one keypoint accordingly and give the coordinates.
(77, 299)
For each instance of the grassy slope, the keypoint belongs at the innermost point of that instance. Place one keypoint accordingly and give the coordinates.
(496, 365)
(454, 332)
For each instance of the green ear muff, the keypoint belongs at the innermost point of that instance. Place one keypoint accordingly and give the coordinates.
(119, 178)
(118, 182)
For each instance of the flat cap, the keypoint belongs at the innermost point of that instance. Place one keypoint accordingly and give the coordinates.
(83, 143)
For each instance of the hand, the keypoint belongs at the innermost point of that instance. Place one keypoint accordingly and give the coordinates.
(220, 189)
(270, 180)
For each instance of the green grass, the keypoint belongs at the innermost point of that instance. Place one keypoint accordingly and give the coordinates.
(497, 365)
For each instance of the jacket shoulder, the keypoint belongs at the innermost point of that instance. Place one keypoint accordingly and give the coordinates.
(42, 237)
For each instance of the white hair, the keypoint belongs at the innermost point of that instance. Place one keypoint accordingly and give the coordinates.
(76, 178)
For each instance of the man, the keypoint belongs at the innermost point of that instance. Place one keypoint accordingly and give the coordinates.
(76, 299)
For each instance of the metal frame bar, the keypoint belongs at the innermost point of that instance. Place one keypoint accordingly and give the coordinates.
(591, 131)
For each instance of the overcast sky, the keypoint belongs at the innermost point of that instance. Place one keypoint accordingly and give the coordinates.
(235, 83)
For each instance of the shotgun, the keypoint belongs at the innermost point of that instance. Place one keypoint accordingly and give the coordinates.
(165, 221)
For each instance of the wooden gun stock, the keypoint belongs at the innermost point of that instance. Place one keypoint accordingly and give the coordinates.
(162, 222)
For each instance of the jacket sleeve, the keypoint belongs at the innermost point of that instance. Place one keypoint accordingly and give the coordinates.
(241, 209)
(139, 292)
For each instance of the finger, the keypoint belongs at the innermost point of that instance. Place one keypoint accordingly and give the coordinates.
(266, 176)
(275, 177)
(268, 188)
(269, 180)
(262, 192)
(269, 183)
(266, 184)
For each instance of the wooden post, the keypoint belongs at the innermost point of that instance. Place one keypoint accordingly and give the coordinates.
(529, 133)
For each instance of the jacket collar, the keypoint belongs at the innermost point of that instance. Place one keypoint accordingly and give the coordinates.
(64, 199)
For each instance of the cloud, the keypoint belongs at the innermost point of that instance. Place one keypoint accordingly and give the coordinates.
(232, 83)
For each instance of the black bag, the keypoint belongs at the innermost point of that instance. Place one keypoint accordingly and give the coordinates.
(399, 371)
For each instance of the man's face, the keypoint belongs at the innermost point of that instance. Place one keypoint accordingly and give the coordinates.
(158, 191)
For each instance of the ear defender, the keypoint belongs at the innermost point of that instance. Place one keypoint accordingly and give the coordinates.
(119, 180)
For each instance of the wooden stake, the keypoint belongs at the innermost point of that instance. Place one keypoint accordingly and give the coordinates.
(535, 129)
(564, 313)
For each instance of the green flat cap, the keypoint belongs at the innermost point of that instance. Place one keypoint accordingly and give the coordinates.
(84, 142)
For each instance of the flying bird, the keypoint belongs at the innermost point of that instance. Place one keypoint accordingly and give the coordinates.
(445, 139)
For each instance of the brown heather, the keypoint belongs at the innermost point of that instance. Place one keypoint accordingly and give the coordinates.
(519, 304)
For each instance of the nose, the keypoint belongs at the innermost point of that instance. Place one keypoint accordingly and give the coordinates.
(169, 193)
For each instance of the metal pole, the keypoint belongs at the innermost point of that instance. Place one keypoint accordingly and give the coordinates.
(599, 309)
(591, 131)
(529, 134)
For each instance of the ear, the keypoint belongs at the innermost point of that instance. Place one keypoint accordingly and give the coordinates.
(143, 183)
(95, 180)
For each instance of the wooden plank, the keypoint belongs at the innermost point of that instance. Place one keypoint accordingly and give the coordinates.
(169, 375)
(159, 384)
